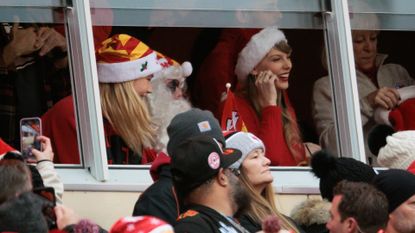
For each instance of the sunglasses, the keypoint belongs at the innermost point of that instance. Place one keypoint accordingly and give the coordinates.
(173, 84)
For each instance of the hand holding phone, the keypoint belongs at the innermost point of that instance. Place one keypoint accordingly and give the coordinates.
(30, 129)
(47, 153)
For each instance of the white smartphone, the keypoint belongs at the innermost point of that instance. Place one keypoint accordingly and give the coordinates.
(30, 129)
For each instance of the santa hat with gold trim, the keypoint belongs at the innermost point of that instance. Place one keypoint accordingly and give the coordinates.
(122, 58)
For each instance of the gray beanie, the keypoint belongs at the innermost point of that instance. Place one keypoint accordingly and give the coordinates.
(245, 142)
(399, 151)
(193, 123)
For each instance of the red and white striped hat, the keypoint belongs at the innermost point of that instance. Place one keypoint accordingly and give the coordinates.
(122, 58)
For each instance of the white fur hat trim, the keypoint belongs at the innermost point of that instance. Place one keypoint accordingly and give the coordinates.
(128, 70)
(256, 49)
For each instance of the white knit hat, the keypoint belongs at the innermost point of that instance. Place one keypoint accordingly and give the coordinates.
(256, 49)
(245, 142)
(399, 151)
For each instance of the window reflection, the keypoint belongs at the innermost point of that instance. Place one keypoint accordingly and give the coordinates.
(34, 72)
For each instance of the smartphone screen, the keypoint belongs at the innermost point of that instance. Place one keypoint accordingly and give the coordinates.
(48, 193)
(30, 128)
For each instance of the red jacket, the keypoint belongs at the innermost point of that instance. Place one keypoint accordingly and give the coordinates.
(269, 128)
(59, 125)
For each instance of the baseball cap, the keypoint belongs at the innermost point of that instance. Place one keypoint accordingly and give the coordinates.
(192, 123)
(198, 159)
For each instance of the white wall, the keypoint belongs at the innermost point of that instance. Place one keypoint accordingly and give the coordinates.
(105, 208)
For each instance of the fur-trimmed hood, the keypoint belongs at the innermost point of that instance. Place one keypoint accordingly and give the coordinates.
(311, 211)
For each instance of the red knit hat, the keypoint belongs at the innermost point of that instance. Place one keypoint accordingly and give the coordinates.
(141, 224)
(4, 147)
(122, 58)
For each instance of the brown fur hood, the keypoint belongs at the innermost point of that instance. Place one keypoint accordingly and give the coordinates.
(311, 211)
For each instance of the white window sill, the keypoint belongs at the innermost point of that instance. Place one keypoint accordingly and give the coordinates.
(287, 180)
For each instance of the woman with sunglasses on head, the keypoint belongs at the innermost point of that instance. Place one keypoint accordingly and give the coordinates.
(255, 175)
(263, 70)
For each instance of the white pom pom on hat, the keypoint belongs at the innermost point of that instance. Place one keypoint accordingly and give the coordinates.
(187, 68)
(255, 50)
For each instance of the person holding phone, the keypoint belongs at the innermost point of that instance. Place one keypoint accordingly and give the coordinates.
(263, 70)
(44, 166)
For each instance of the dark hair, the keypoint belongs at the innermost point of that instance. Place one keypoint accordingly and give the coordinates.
(283, 46)
(363, 202)
(15, 176)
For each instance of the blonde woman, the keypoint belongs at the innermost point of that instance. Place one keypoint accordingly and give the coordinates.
(125, 68)
(263, 69)
(255, 175)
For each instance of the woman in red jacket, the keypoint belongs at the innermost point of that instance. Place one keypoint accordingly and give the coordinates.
(263, 70)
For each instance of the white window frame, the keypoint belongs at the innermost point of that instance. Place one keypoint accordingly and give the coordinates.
(96, 175)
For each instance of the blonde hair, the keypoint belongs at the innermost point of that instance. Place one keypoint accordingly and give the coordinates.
(291, 131)
(128, 114)
(263, 204)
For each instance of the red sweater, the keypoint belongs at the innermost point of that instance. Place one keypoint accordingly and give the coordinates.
(59, 125)
(269, 128)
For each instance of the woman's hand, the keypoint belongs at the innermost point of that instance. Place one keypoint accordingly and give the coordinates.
(23, 42)
(266, 91)
(48, 39)
(385, 97)
(47, 153)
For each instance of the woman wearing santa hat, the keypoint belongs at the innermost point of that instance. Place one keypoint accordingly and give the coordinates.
(125, 68)
(263, 71)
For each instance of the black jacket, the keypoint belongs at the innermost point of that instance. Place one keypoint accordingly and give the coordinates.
(202, 219)
(159, 200)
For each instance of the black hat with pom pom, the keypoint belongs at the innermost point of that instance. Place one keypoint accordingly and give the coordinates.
(332, 170)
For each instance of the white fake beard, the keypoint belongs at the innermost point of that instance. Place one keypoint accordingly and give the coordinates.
(163, 108)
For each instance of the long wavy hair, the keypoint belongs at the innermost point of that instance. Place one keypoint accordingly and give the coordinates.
(263, 204)
(128, 114)
(291, 131)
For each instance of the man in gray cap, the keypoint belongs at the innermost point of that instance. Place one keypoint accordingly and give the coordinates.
(399, 188)
(160, 199)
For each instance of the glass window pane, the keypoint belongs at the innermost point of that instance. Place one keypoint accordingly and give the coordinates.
(195, 31)
(35, 73)
(383, 66)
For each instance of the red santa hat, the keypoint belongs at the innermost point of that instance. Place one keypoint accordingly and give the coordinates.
(141, 224)
(255, 50)
(401, 117)
(172, 69)
(4, 147)
(122, 58)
